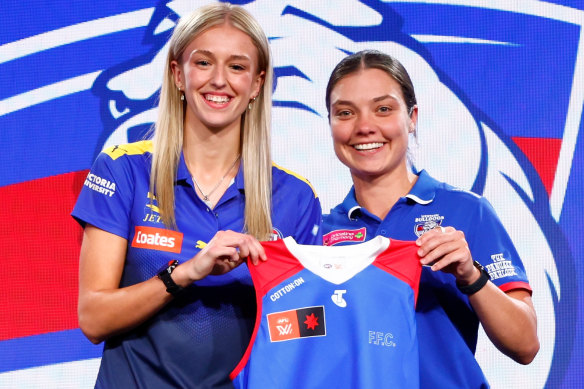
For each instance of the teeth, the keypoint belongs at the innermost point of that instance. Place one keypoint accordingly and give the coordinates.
(217, 99)
(368, 146)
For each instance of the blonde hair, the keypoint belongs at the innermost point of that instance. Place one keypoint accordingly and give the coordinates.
(255, 145)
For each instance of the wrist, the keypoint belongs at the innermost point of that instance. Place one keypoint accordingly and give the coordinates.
(165, 275)
(476, 283)
(471, 279)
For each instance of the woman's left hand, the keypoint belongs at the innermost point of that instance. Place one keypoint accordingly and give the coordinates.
(446, 249)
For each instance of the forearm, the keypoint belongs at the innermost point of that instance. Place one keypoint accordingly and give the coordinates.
(104, 313)
(105, 309)
(509, 320)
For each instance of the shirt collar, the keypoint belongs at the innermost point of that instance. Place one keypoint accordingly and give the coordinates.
(184, 176)
(182, 173)
(423, 192)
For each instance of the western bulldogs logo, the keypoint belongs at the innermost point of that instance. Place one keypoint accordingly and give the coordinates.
(425, 223)
(476, 131)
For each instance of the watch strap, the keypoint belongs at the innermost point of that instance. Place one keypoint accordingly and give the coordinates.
(164, 275)
(478, 284)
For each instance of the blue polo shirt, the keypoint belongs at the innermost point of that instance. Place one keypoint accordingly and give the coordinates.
(198, 338)
(447, 324)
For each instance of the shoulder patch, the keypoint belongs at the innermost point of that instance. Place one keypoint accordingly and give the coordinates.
(135, 148)
(297, 176)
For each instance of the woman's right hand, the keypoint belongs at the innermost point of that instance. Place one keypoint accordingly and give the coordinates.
(226, 251)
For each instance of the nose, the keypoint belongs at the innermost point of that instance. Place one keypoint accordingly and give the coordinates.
(364, 123)
(218, 79)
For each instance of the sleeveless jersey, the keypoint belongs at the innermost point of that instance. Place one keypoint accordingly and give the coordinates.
(341, 317)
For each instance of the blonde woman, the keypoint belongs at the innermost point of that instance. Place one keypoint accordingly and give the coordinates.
(169, 221)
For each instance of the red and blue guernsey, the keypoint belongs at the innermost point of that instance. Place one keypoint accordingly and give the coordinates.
(334, 317)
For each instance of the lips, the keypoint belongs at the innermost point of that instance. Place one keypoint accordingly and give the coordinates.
(368, 146)
(217, 99)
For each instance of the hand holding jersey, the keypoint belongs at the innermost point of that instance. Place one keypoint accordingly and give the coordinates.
(223, 253)
(446, 249)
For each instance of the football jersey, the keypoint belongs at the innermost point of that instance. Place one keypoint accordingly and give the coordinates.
(341, 317)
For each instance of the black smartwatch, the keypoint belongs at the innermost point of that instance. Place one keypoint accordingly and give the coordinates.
(164, 274)
(478, 284)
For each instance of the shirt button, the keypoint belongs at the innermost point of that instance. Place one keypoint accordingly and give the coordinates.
(216, 214)
(383, 232)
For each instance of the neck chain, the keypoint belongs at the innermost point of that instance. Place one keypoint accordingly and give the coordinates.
(206, 196)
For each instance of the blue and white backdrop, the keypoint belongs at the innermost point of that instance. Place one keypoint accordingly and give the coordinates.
(500, 87)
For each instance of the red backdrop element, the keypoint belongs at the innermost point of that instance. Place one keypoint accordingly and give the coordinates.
(40, 260)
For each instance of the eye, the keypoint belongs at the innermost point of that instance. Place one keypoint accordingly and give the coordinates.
(237, 67)
(384, 109)
(202, 62)
(343, 113)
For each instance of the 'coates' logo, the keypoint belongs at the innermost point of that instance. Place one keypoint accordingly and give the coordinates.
(157, 239)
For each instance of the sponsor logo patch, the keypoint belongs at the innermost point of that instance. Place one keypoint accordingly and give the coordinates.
(338, 236)
(297, 323)
(338, 299)
(157, 239)
(100, 185)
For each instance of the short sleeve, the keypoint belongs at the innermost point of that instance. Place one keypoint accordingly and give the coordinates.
(106, 197)
(491, 245)
(308, 230)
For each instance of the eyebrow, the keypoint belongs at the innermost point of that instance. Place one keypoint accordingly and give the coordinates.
(239, 57)
(375, 100)
(380, 98)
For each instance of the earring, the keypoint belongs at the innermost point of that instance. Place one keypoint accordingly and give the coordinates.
(182, 96)
(250, 103)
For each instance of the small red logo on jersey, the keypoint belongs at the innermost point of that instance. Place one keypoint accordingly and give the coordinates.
(338, 236)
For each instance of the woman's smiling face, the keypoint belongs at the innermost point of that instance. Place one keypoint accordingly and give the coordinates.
(370, 123)
(219, 76)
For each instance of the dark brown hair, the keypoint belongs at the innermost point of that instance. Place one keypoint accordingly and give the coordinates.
(372, 59)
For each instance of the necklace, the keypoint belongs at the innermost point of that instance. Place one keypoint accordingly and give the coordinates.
(206, 196)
